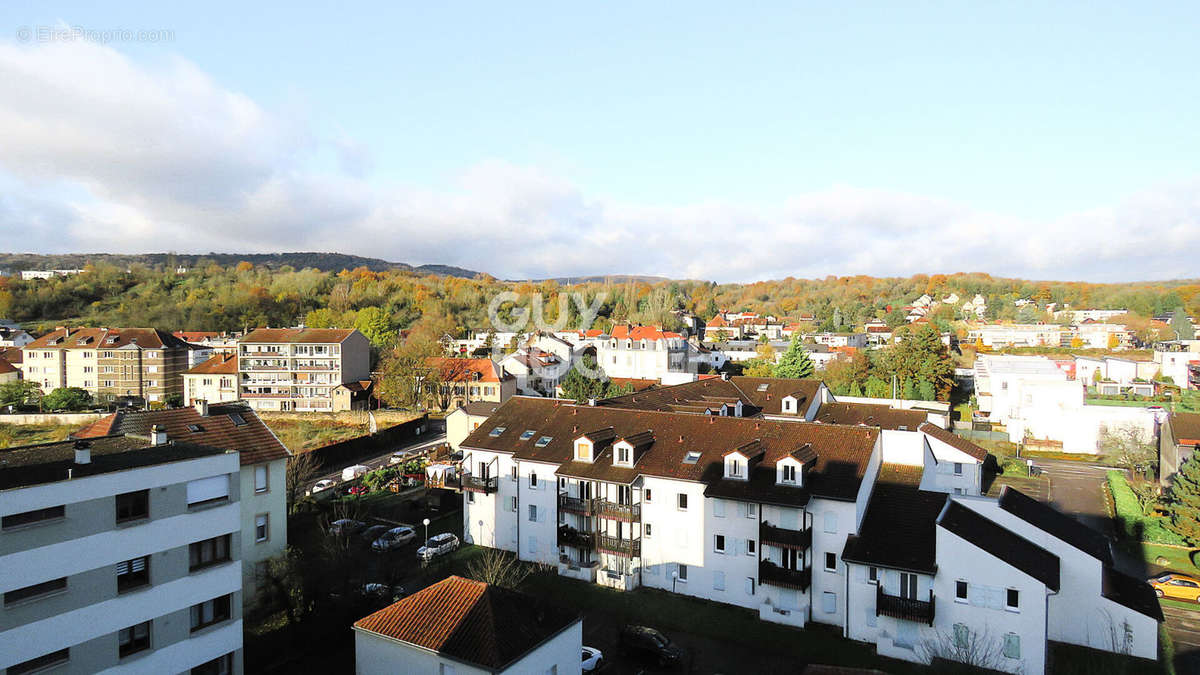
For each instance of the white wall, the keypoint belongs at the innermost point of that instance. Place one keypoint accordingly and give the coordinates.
(378, 655)
(538, 539)
(677, 537)
(273, 502)
(843, 522)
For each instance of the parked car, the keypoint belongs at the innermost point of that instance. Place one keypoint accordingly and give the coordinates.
(393, 539)
(372, 533)
(1176, 587)
(651, 645)
(352, 472)
(592, 659)
(345, 527)
(438, 545)
(322, 485)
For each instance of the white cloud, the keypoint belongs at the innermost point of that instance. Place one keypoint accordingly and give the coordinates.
(104, 154)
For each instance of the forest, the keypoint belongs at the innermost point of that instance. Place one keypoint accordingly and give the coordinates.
(216, 297)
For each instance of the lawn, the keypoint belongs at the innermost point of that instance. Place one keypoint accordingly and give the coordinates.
(1126, 404)
(306, 431)
(1136, 525)
(28, 434)
(1177, 559)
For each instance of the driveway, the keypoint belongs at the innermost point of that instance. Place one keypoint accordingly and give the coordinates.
(1077, 489)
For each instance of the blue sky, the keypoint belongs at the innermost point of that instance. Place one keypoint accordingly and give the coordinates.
(624, 138)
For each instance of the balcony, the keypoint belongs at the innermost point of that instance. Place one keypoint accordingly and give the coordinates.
(479, 484)
(770, 573)
(907, 609)
(630, 548)
(569, 536)
(314, 366)
(584, 507)
(615, 511)
(264, 366)
(781, 536)
(264, 353)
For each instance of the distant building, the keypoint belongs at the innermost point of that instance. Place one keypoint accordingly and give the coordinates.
(464, 626)
(462, 381)
(144, 363)
(29, 275)
(121, 553)
(214, 381)
(297, 369)
(647, 353)
(1177, 442)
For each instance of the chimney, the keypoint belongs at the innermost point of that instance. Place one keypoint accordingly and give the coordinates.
(202, 407)
(158, 435)
(83, 452)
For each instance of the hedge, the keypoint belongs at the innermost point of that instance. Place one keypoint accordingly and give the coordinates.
(1129, 515)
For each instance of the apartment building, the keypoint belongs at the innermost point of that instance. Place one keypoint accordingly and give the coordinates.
(120, 552)
(771, 513)
(144, 363)
(646, 352)
(214, 381)
(298, 368)
(261, 474)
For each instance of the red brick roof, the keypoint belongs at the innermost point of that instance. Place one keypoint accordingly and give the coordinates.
(12, 354)
(297, 335)
(626, 331)
(194, 335)
(6, 367)
(219, 364)
(471, 621)
(466, 370)
(106, 338)
(955, 441)
(253, 439)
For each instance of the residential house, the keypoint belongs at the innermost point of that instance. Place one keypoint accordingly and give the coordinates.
(142, 363)
(261, 470)
(1175, 358)
(646, 352)
(461, 381)
(14, 336)
(214, 381)
(121, 554)
(465, 419)
(1178, 439)
(299, 368)
(465, 626)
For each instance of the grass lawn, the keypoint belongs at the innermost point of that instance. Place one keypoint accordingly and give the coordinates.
(1126, 404)
(1179, 604)
(28, 434)
(1178, 559)
(1129, 516)
(306, 431)
(816, 644)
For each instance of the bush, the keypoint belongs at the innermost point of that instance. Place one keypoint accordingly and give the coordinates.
(1129, 515)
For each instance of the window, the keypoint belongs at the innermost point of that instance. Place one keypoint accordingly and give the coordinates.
(470, 497)
(533, 480)
(750, 547)
(211, 490)
(262, 530)
(958, 468)
(208, 552)
(719, 543)
(960, 591)
(533, 513)
(872, 575)
(514, 472)
(512, 504)
(133, 574)
(35, 591)
(496, 432)
(543, 441)
(682, 569)
(1013, 601)
(718, 508)
(829, 602)
(962, 635)
(40, 663)
(647, 496)
(831, 562)
(133, 639)
(691, 457)
(211, 612)
(133, 506)
(527, 434)
(33, 517)
(681, 502)
(1012, 646)
(260, 478)
(831, 522)
(222, 665)
(648, 530)
(623, 454)
(752, 510)
(749, 585)
(735, 468)
(908, 585)
(718, 581)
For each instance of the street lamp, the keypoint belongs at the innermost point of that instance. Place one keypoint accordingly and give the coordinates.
(426, 524)
(674, 580)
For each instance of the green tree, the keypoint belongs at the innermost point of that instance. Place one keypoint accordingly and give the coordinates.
(67, 398)
(583, 382)
(320, 318)
(1183, 504)
(376, 325)
(1181, 326)
(877, 388)
(20, 392)
(926, 391)
(920, 355)
(795, 363)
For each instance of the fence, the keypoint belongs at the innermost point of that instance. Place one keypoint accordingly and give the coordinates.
(351, 450)
(51, 418)
(964, 429)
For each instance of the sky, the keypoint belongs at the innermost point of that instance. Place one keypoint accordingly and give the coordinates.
(716, 141)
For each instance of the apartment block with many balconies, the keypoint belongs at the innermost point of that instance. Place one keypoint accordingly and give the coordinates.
(109, 363)
(298, 368)
(120, 553)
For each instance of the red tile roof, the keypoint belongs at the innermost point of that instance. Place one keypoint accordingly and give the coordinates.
(253, 439)
(297, 335)
(871, 415)
(107, 338)
(466, 370)
(194, 335)
(220, 364)
(626, 331)
(955, 441)
(471, 621)
(6, 367)
(12, 354)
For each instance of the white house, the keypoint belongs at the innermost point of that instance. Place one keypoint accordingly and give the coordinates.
(461, 626)
(645, 352)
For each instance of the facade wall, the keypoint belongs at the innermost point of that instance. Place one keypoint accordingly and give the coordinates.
(378, 655)
(272, 503)
(214, 388)
(538, 537)
(677, 536)
(832, 522)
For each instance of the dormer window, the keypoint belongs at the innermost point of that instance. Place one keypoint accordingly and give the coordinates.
(788, 474)
(583, 450)
(624, 454)
(789, 404)
(736, 468)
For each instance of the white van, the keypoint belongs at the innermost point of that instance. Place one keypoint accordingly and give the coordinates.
(352, 472)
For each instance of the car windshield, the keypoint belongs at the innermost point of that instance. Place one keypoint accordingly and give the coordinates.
(657, 638)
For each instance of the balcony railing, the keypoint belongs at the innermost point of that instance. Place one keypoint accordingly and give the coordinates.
(781, 536)
(770, 573)
(264, 366)
(569, 536)
(575, 505)
(630, 548)
(479, 484)
(627, 512)
(908, 609)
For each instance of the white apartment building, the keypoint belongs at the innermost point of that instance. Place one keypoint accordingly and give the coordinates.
(1174, 359)
(214, 381)
(120, 553)
(771, 514)
(856, 340)
(29, 275)
(647, 353)
(1000, 335)
(143, 363)
(262, 473)
(465, 626)
(1111, 375)
(298, 368)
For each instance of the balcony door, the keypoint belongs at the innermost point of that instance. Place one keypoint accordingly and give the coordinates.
(792, 559)
(585, 489)
(624, 495)
(908, 585)
(484, 467)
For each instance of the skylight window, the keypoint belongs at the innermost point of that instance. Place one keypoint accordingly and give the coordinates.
(527, 434)
(763, 386)
(543, 441)
(692, 457)
(237, 419)
(496, 432)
